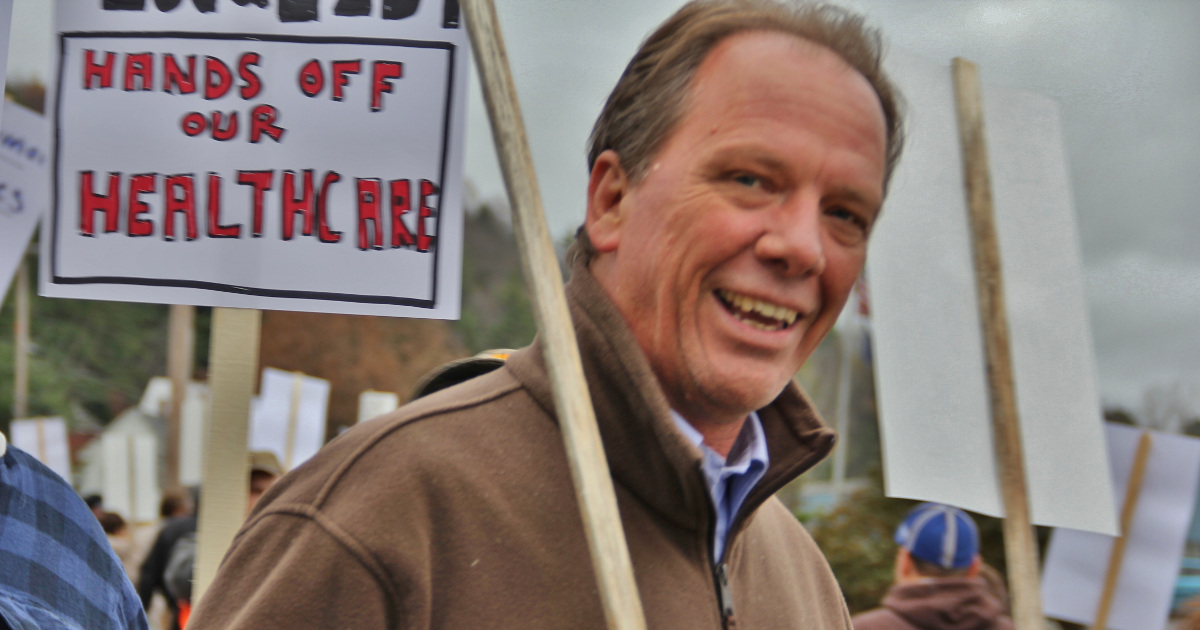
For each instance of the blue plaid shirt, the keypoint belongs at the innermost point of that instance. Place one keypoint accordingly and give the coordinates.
(57, 570)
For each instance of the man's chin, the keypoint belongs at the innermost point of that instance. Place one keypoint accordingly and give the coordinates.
(738, 395)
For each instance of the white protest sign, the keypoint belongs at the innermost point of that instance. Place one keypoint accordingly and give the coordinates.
(373, 404)
(1076, 562)
(156, 398)
(156, 402)
(930, 372)
(299, 155)
(5, 28)
(46, 440)
(193, 419)
(131, 475)
(289, 416)
(24, 184)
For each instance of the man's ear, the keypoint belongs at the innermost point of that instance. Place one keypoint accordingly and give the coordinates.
(607, 188)
(904, 569)
(976, 563)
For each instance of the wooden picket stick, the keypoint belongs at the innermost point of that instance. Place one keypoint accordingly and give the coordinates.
(576, 417)
(289, 443)
(1133, 491)
(1020, 546)
(180, 341)
(131, 474)
(40, 423)
(234, 359)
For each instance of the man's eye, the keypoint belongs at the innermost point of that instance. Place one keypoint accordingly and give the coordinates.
(747, 180)
(848, 216)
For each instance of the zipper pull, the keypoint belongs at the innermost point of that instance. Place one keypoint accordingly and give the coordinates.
(725, 595)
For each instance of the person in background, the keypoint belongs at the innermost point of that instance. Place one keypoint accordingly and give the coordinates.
(117, 532)
(265, 470)
(95, 503)
(938, 582)
(175, 504)
(180, 533)
(177, 577)
(150, 573)
(57, 569)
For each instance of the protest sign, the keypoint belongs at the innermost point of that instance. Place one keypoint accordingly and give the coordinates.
(131, 475)
(288, 418)
(372, 404)
(930, 370)
(5, 27)
(46, 440)
(295, 155)
(156, 398)
(24, 184)
(192, 433)
(1076, 561)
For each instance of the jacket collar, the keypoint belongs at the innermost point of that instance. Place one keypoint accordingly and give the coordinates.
(647, 455)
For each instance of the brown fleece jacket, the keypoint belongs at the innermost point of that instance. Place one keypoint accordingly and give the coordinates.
(457, 511)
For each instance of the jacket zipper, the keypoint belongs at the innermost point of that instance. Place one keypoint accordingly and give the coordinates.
(725, 597)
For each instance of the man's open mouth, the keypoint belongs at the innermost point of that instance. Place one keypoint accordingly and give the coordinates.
(757, 313)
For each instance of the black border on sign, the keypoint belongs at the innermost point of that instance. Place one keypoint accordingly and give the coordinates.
(430, 303)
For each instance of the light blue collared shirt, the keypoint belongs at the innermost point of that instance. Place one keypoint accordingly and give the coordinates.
(730, 480)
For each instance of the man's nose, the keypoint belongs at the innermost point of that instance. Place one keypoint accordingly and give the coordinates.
(791, 241)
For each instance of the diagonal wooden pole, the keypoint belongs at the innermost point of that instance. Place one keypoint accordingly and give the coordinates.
(1116, 557)
(21, 333)
(585, 452)
(1020, 546)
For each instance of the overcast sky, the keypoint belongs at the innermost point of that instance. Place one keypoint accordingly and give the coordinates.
(1127, 75)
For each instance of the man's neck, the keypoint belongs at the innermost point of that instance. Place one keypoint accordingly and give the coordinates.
(719, 436)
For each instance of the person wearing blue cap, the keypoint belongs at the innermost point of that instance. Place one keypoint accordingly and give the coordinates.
(938, 585)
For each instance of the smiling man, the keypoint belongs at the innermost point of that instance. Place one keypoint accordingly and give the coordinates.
(736, 173)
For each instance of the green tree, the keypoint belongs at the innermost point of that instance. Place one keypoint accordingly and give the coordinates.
(88, 358)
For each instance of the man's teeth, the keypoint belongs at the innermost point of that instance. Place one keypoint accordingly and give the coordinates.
(782, 315)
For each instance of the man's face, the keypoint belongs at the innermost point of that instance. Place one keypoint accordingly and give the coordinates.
(733, 256)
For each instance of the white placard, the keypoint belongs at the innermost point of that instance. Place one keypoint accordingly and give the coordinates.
(290, 411)
(930, 372)
(24, 181)
(46, 440)
(5, 28)
(130, 486)
(156, 398)
(373, 404)
(193, 418)
(1076, 562)
(278, 157)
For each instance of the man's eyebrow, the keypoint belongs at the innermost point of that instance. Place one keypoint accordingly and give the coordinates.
(749, 155)
(856, 195)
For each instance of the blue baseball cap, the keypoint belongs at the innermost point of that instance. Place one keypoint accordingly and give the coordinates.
(940, 535)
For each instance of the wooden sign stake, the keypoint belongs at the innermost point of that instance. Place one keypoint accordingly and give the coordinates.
(21, 354)
(180, 350)
(585, 452)
(289, 444)
(234, 359)
(1019, 544)
(1116, 557)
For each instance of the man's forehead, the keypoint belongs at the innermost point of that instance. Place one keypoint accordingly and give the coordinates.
(748, 43)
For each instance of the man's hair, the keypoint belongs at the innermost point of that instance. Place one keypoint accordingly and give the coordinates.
(173, 501)
(652, 95)
(111, 522)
